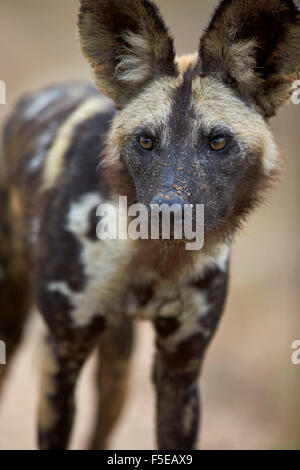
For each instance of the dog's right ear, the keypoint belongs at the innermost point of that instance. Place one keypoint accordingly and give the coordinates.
(127, 44)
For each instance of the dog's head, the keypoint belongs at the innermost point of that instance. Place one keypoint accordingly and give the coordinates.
(194, 130)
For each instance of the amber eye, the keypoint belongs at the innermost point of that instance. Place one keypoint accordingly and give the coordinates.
(145, 142)
(218, 144)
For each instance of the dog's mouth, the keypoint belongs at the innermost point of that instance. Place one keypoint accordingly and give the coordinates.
(171, 228)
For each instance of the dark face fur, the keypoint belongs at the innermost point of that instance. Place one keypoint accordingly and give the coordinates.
(193, 130)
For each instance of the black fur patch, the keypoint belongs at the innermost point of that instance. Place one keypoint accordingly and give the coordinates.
(166, 326)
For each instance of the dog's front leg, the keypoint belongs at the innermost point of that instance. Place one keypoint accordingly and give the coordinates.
(177, 406)
(184, 330)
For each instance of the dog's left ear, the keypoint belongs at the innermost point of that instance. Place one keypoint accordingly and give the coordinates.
(254, 46)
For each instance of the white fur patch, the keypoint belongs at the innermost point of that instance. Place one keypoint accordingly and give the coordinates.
(41, 102)
(242, 63)
(271, 155)
(63, 289)
(189, 309)
(219, 258)
(42, 146)
(134, 65)
(78, 217)
(34, 230)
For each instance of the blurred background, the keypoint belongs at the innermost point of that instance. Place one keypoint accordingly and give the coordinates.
(250, 388)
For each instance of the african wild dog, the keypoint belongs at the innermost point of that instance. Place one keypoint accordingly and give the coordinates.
(191, 129)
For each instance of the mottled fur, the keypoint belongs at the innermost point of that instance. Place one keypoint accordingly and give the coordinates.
(255, 48)
(125, 42)
(67, 149)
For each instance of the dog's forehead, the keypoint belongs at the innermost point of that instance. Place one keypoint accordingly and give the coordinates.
(181, 109)
(189, 102)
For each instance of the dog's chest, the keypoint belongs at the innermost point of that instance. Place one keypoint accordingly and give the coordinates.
(117, 282)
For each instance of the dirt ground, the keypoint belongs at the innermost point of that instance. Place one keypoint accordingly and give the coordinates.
(250, 388)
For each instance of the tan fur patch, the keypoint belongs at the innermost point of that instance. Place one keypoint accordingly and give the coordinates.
(186, 61)
(16, 203)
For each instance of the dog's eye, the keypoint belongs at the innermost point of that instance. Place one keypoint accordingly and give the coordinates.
(145, 142)
(218, 144)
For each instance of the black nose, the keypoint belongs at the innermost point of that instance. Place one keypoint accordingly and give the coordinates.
(165, 202)
(170, 199)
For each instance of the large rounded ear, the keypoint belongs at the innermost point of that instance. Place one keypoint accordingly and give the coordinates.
(127, 44)
(254, 45)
